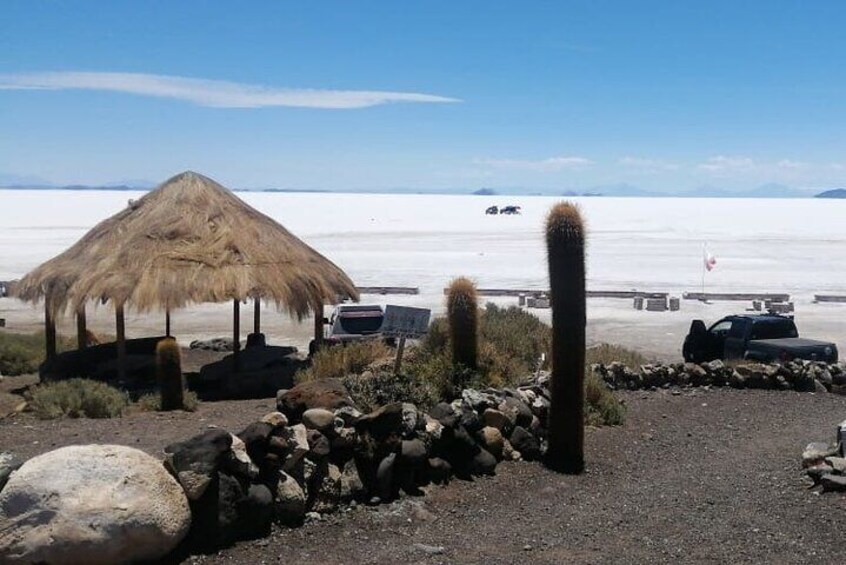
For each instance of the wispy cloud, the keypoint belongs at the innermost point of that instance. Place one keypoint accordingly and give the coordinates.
(723, 164)
(212, 93)
(648, 165)
(791, 165)
(552, 164)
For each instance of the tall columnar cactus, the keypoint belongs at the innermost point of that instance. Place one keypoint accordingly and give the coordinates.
(463, 316)
(169, 374)
(565, 241)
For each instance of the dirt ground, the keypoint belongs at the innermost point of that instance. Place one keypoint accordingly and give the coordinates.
(693, 476)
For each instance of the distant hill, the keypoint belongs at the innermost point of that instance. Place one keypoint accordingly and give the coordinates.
(485, 192)
(836, 193)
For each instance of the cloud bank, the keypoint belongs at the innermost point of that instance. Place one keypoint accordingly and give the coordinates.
(552, 164)
(211, 93)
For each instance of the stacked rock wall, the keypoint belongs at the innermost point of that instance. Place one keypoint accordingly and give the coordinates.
(803, 376)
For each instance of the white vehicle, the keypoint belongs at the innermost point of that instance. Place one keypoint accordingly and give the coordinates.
(351, 322)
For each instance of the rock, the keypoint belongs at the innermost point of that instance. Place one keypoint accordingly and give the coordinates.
(525, 443)
(516, 411)
(239, 462)
(433, 428)
(348, 414)
(215, 344)
(429, 549)
(484, 463)
(227, 526)
(444, 414)
(382, 422)
(324, 393)
(816, 452)
(290, 500)
(256, 512)
(351, 486)
(326, 494)
(256, 438)
(275, 419)
(478, 401)
(318, 445)
(838, 464)
(319, 419)
(833, 483)
(413, 452)
(496, 419)
(492, 440)
(470, 420)
(91, 504)
(385, 477)
(410, 419)
(508, 453)
(8, 463)
(297, 439)
(439, 470)
(540, 408)
(195, 460)
(816, 472)
(714, 366)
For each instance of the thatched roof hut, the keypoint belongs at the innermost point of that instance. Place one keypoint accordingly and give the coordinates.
(188, 241)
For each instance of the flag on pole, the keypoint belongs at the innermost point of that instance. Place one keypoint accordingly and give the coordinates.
(710, 260)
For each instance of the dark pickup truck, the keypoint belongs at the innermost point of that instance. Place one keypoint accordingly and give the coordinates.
(760, 337)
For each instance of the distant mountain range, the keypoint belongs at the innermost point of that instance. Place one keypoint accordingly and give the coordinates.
(836, 193)
(12, 182)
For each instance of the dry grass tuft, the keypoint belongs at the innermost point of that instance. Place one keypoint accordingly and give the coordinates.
(341, 360)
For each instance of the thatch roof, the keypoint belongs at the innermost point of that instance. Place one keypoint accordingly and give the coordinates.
(188, 241)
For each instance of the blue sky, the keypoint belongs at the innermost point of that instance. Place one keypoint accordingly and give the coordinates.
(551, 96)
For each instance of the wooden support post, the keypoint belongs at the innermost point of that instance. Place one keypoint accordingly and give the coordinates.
(167, 322)
(121, 342)
(257, 316)
(236, 332)
(398, 361)
(81, 329)
(318, 327)
(49, 332)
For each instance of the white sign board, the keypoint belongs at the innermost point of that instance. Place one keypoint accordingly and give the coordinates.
(404, 321)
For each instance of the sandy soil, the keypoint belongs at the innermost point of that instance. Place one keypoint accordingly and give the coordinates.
(693, 476)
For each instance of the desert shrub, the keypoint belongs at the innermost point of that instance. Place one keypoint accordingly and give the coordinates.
(152, 402)
(517, 334)
(607, 353)
(77, 398)
(602, 407)
(23, 353)
(511, 343)
(341, 360)
(377, 388)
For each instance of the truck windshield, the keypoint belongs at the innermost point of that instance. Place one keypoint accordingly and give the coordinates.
(773, 329)
(361, 324)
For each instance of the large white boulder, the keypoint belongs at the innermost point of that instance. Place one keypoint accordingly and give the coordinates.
(91, 504)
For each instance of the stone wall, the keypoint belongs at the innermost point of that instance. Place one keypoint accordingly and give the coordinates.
(804, 376)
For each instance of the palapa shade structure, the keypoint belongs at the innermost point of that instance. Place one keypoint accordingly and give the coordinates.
(188, 241)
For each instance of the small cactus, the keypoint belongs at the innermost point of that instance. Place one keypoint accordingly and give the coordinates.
(169, 374)
(565, 241)
(463, 316)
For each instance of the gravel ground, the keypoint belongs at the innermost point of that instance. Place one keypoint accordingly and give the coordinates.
(693, 476)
